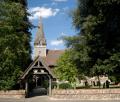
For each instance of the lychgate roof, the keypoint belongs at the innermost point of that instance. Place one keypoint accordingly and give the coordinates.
(38, 63)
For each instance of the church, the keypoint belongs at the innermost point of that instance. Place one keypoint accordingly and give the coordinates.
(41, 69)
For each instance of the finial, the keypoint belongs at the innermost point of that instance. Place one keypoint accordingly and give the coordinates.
(40, 19)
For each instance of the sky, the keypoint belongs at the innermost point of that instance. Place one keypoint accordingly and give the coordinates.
(56, 20)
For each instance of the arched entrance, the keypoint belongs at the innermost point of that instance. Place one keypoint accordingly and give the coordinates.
(39, 84)
(37, 78)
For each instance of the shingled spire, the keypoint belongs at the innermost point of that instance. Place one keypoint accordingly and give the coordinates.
(40, 37)
(40, 41)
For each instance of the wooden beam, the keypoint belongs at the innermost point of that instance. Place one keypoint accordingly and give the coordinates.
(36, 67)
(36, 81)
(40, 73)
(50, 84)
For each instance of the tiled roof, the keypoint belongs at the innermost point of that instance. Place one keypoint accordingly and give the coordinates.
(53, 56)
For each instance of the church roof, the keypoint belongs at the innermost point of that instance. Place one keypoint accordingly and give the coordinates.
(40, 37)
(53, 56)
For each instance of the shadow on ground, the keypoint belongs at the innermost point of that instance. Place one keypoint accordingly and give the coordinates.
(38, 91)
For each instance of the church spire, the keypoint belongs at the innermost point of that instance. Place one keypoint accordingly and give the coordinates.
(40, 41)
(40, 37)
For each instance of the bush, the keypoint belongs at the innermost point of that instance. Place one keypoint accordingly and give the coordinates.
(65, 86)
(104, 85)
(107, 84)
(54, 85)
(86, 84)
(98, 83)
(83, 87)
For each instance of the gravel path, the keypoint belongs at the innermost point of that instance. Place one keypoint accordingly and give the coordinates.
(47, 99)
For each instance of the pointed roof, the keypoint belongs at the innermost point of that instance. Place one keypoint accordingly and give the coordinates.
(33, 66)
(40, 37)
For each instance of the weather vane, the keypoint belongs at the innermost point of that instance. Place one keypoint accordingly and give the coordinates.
(40, 17)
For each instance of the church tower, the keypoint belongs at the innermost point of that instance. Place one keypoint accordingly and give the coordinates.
(40, 42)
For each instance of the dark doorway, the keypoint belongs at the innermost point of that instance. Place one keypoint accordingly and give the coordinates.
(38, 85)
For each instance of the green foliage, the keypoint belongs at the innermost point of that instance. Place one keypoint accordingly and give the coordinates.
(107, 84)
(54, 85)
(86, 84)
(98, 83)
(65, 86)
(14, 43)
(66, 69)
(97, 45)
(83, 87)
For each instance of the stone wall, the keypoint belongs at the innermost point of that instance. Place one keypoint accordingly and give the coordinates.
(12, 94)
(87, 94)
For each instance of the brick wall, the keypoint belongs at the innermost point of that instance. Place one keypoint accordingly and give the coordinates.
(12, 94)
(87, 94)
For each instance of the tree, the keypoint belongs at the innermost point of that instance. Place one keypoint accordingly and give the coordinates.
(98, 24)
(15, 38)
(66, 70)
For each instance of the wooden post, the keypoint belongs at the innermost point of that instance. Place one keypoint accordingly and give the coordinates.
(36, 80)
(50, 82)
(26, 88)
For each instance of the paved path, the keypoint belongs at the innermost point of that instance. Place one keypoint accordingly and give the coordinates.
(47, 99)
